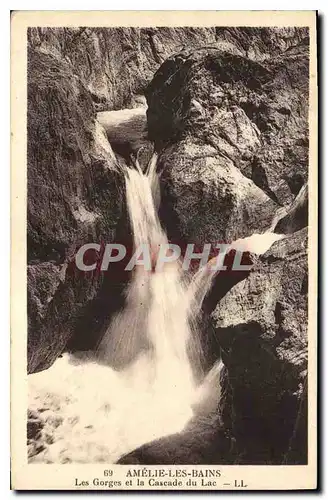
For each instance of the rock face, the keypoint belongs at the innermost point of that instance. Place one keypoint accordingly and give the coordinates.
(206, 199)
(231, 132)
(297, 215)
(118, 63)
(74, 197)
(214, 114)
(203, 442)
(261, 326)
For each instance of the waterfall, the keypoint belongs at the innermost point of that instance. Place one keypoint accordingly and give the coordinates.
(257, 244)
(149, 340)
(144, 381)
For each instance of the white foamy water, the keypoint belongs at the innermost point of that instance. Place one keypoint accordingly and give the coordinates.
(144, 381)
(148, 340)
(257, 243)
(140, 385)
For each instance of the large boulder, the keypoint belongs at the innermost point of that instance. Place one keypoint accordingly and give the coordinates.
(248, 118)
(206, 199)
(74, 197)
(261, 326)
(203, 442)
(297, 215)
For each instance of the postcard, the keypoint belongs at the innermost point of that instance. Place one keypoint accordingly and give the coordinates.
(164, 250)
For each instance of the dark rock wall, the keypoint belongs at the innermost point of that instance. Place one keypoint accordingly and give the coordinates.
(261, 326)
(75, 196)
(233, 138)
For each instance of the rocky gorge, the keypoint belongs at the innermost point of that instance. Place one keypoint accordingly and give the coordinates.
(226, 111)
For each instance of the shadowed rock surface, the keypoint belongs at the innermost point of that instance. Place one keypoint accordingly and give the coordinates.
(261, 326)
(232, 137)
(203, 442)
(297, 216)
(74, 197)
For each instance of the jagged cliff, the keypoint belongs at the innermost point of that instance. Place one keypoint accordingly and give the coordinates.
(232, 134)
(74, 197)
(227, 114)
(118, 63)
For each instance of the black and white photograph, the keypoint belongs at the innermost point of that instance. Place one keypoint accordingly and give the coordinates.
(168, 183)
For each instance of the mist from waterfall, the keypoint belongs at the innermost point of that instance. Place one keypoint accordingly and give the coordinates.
(144, 382)
(150, 340)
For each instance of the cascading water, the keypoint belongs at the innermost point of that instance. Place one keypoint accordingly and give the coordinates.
(149, 339)
(202, 280)
(144, 381)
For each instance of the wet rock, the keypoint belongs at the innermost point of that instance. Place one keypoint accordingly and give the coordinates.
(243, 114)
(74, 197)
(297, 215)
(127, 133)
(202, 442)
(261, 326)
(34, 433)
(206, 199)
(34, 425)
